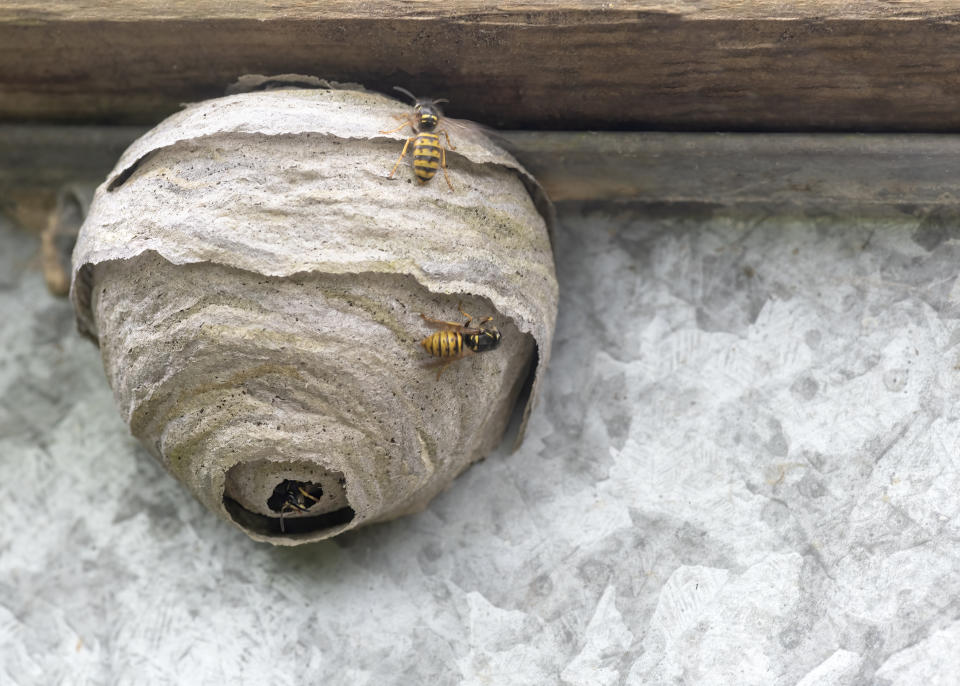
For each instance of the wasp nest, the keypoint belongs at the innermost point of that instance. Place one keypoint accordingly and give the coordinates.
(255, 283)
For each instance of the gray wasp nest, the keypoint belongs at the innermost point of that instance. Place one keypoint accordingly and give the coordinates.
(255, 283)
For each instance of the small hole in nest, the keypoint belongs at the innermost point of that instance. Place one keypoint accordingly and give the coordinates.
(292, 495)
(303, 506)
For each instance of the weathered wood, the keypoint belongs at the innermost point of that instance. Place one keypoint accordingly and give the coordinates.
(826, 170)
(902, 171)
(36, 161)
(719, 64)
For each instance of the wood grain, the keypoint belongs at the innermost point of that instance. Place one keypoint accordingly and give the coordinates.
(768, 66)
(37, 161)
(863, 172)
(855, 171)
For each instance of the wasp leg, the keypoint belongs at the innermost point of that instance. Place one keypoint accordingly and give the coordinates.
(294, 506)
(308, 495)
(469, 318)
(443, 165)
(405, 123)
(402, 155)
(449, 144)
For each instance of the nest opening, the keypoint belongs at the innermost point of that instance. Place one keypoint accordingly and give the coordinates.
(291, 495)
(512, 434)
(292, 526)
(295, 506)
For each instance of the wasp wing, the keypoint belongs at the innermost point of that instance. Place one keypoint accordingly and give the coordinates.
(445, 362)
(469, 130)
(449, 326)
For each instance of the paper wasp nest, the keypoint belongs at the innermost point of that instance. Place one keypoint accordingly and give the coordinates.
(255, 283)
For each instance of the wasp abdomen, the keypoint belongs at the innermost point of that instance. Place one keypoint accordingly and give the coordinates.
(426, 156)
(443, 344)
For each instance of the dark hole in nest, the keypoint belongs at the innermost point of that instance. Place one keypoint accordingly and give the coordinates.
(270, 526)
(295, 502)
(290, 495)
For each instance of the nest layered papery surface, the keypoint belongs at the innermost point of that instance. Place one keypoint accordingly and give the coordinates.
(255, 282)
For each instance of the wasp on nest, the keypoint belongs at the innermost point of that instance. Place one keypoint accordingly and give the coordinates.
(429, 154)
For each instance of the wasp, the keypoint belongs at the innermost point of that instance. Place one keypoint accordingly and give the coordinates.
(293, 496)
(428, 154)
(454, 341)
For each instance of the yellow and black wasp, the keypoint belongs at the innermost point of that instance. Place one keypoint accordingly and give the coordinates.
(293, 496)
(454, 341)
(428, 153)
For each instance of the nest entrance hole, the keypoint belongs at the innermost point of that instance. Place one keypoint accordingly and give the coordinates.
(295, 506)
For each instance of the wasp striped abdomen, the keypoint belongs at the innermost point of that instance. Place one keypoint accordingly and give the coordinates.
(454, 341)
(444, 344)
(426, 156)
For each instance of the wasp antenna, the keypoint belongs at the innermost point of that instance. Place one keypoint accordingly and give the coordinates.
(437, 102)
(405, 92)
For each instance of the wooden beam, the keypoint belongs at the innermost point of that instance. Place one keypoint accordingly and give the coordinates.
(855, 171)
(837, 172)
(771, 65)
(36, 161)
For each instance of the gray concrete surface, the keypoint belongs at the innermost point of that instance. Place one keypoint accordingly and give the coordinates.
(744, 470)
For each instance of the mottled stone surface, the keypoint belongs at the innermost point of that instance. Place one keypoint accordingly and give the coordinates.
(744, 469)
